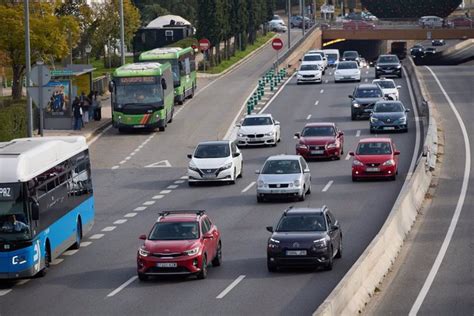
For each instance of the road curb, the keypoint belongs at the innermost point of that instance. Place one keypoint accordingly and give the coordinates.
(357, 287)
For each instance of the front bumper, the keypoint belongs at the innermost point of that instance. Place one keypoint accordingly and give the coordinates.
(385, 127)
(183, 265)
(290, 192)
(362, 111)
(309, 79)
(255, 141)
(157, 124)
(313, 258)
(204, 176)
(318, 153)
(346, 78)
(383, 172)
(388, 72)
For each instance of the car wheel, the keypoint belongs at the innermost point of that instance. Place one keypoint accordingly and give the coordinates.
(181, 99)
(234, 179)
(353, 117)
(191, 184)
(400, 75)
(241, 170)
(324, 72)
(393, 178)
(329, 264)
(260, 199)
(372, 131)
(302, 197)
(217, 261)
(142, 277)
(172, 114)
(47, 260)
(309, 189)
(339, 249)
(121, 130)
(192, 92)
(203, 273)
(271, 267)
(354, 179)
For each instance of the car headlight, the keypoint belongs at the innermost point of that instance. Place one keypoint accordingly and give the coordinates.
(299, 76)
(226, 166)
(374, 119)
(356, 162)
(192, 252)
(331, 145)
(193, 167)
(399, 66)
(269, 134)
(302, 146)
(297, 183)
(402, 120)
(143, 252)
(273, 243)
(240, 135)
(260, 183)
(390, 162)
(320, 243)
(356, 105)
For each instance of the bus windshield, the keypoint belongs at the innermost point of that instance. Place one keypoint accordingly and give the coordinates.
(138, 94)
(13, 216)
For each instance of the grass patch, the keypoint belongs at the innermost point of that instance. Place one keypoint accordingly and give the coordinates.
(101, 69)
(240, 55)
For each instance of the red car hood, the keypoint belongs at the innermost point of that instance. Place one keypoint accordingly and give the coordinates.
(317, 140)
(164, 246)
(373, 158)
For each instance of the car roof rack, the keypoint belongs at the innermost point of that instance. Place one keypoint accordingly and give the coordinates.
(172, 212)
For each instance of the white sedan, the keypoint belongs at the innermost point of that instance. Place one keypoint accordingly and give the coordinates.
(347, 71)
(309, 73)
(389, 88)
(258, 129)
(215, 161)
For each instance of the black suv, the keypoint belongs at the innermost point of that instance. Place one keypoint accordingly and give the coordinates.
(363, 99)
(308, 237)
(388, 65)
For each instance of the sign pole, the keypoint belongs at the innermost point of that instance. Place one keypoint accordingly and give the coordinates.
(29, 107)
(289, 23)
(40, 105)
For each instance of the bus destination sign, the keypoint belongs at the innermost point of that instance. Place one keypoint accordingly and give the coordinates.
(137, 80)
(6, 193)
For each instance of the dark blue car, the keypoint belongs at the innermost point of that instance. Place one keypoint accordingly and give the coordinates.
(389, 116)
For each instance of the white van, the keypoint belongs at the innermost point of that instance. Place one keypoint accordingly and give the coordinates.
(332, 56)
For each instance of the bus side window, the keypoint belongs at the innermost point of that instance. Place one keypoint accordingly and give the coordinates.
(187, 66)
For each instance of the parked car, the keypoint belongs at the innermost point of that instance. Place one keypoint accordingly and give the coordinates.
(285, 176)
(375, 158)
(389, 88)
(430, 51)
(258, 129)
(462, 21)
(363, 99)
(389, 116)
(351, 55)
(181, 243)
(297, 21)
(215, 161)
(320, 140)
(388, 65)
(438, 42)
(431, 22)
(277, 26)
(332, 56)
(309, 73)
(358, 25)
(314, 59)
(347, 71)
(309, 237)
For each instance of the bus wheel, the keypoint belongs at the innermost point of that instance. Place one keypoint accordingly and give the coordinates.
(192, 92)
(181, 99)
(77, 244)
(47, 260)
(172, 114)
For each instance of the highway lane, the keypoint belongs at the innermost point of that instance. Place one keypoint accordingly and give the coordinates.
(81, 283)
(452, 288)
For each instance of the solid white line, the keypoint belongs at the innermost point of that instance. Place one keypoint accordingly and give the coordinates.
(322, 91)
(358, 133)
(457, 212)
(172, 187)
(276, 94)
(96, 236)
(115, 167)
(157, 197)
(165, 191)
(328, 185)
(140, 208)
(57, 261)
(130, 215)
(93, 140)
(248, 187)
(70, 252)
(149, 203)
(120, 221)
(86, 243)
(348, 157)
(308, 117)
(316, 103)
(5, 292)
(230, 287)
(109, 228)
(121, 287)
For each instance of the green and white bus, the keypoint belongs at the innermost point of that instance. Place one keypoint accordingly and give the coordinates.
(142, 96)
(183, 65)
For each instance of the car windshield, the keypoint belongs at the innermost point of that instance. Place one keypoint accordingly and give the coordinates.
(315, 131)
(175, 231)
(14, 224)
(302, 223)
(138, 94)
(287, 166)
(388, 59)
(388, 107)
(309, 67)
(212, 151)
(314, 57)
(332, 57)
(352, 65)
(386, 84)
(252, 121)
(350, 55)
(374, 148)
(368, 93)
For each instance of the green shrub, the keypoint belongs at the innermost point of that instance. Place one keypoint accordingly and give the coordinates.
(13, 120)
(185, 42)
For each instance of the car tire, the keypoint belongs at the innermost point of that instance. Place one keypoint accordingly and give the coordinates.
(309, 190)
(142, 277)
(302, 197)
(172, 114)
(181, 99)
(339, 249)
(260, 199)
(203, 273)
(234, 179)
(47, 260)
(400, 75)
(217, 261)
(241, 170)
(393, 178)
(192, 92)
(353, 117)
(191, 184)
(372, 131)
(354, 179)
(271, 267)
(329, 264)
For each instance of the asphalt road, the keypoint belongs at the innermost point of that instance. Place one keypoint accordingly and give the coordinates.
(100, 278)
(450, 286)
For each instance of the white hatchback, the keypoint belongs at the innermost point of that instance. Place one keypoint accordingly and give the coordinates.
(389, 88)
(347, 71)
(258, 129)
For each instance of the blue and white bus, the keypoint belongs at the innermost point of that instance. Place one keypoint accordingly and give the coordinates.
(46, 202)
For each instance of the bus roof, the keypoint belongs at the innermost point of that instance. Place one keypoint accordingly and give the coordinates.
(24, 158)
(164, 53)
(141, 69)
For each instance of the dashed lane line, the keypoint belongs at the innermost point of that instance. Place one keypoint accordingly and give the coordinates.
(121, 287)
(158, 197)
(86, 243)
(328, 185)
(316, 103)
(165, 191)
(172, 187)
(96, 236)
(70, 252)
(358, 133)
(179, 181)
(230, 287)
(184, 177)
(130, 215)
(120, 221)
(322, 91)
(248, 187)
(5, 292)
(348, 157)
(308, 117)
(115, 167)
(149, 202)
(109, 228)
(140, 208)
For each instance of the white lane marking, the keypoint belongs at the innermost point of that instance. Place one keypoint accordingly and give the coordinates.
(179, 181)
(132, 154)
(308, 117)
(93, 140)
(326, 81)
(57, 261)
(457, 212)
(140, 208)
(96, 236)
(358, 133)
(417, 127)
(184, 177)
(149, 202)
(157, 197)
(108, 228)
(165, 191)
(136, 150)
(129, 215)
(328, 185)
(172, 187)
(348, 157)
(86, 243)
(366, 80)
(248, 187)
(159, 164)
(121, 287)
(24, 281)
(70, 252)
(275, 95)
(316, 103)
(115, 167)
(122, 162)
(5, 292)
(230, 287)
(366, 72)
(120, 221)
(322, 91)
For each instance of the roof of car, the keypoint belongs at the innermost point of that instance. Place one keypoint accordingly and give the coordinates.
(305, 210)
(386, 55)
(375, 139)
(178, 218)
(389, 101)
(319, 124)
(367, 86)
(215, 142)
(287, 157)
(258, 115)
(383, 79)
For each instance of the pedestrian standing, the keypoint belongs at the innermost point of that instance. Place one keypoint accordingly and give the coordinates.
(85, 104)
(77, 113)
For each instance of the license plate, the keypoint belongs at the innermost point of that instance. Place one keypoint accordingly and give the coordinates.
(276, 191)
(208, 176)
(166, 264)
(317, 152)
(138, 126)
(347, 77)
(372, 169)
(389, 128)
(254, 140)
(296, 252)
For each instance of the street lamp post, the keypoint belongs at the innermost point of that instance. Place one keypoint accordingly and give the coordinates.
(122, 35)
(29, 106)
(88, 51)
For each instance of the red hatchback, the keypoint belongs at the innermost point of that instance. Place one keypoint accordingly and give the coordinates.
(320, 140)
(180, 243)
(375, 158)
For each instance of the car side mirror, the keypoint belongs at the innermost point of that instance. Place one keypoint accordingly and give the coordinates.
(142, 237)
(399, 87)
(334, 227)
(270, 229)
(277, 123)
(298, 135)
(351, 96)
(341, 133)
(407, 110)
(300, 59)
(351, 153)
(306, 170)
(396, 153)
(208, 236)
(238, 125)
(190, 156)
(34, 210)
(257, 171)
(235, 155)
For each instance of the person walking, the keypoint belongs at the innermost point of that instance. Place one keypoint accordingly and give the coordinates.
(77, 113)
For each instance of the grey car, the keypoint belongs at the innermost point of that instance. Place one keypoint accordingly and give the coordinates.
(363, 99)
(286, 176)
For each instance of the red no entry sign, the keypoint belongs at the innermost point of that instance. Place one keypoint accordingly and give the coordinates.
(204, 44)
(277, 44)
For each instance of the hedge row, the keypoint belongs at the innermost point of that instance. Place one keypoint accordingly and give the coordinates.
(13, 120)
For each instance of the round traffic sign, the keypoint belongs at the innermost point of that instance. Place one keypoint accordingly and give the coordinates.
(277, 44)
(204, 44)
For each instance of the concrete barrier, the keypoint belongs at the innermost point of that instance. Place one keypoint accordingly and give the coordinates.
(358, 285)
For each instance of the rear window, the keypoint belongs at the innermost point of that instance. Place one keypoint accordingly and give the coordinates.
(386, 84)
(350, 54)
